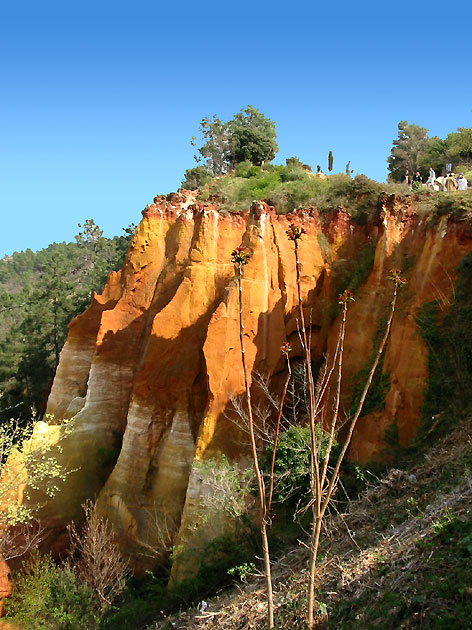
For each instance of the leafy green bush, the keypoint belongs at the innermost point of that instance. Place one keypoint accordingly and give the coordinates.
(47, 597)
(246, 169)
(71, 603)
(258, 187)
(196, 177)
(292, 462)
(293, 161)
(293, 173)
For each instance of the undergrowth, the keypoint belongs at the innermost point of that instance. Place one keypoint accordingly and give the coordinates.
(398, 557)
(290, 187)
(150, 596)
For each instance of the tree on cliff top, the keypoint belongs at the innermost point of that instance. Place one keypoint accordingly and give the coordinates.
(248, 136)
(459, 146)
(407, 150)
(413, 149)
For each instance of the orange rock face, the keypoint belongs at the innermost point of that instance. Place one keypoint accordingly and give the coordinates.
(150, 368)
(5, 585)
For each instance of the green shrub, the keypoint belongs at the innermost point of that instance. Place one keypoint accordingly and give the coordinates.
(71, 604)
(47, 597)
(31, 592)
(293, 173)
(246, 169)
(292, 462)
(258, 187)
(196, 177)
(293, 161)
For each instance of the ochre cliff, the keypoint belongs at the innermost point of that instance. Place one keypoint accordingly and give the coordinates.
(149, 369)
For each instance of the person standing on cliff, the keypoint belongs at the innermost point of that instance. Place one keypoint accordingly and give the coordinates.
(417, 178)
(406, 179)
(462, 183)
(451, 183)
(431, 178)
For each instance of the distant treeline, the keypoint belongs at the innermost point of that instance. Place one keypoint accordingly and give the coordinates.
(40, 292)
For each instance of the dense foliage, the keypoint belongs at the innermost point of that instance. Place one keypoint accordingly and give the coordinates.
(249, 135)
(40, 292)
(196, 177)
(47, 597)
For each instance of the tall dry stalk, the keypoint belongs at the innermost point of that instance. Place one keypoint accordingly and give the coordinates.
(240, 257)
(322, 487)
(286, 349)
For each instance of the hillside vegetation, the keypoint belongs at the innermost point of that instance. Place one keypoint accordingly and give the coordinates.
(40, 292)
(292, 186)
(399, 556)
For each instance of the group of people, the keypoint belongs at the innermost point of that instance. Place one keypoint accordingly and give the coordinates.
(448, 183)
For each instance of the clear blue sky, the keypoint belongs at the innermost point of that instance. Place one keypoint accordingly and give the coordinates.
(98, 101)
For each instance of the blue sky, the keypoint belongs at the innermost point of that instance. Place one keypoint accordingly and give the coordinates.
(98, 101)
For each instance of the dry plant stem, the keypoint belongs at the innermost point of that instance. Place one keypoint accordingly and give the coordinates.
(277, 431)
(100, 564)
(332, 484)
(319, 507)
(337, 397)
(260, 480)
(314, 464)
(335, 476)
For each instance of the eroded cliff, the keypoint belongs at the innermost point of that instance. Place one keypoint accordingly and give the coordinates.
(150, 368)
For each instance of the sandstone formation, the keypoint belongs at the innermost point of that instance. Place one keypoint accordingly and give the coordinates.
(149, 369)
